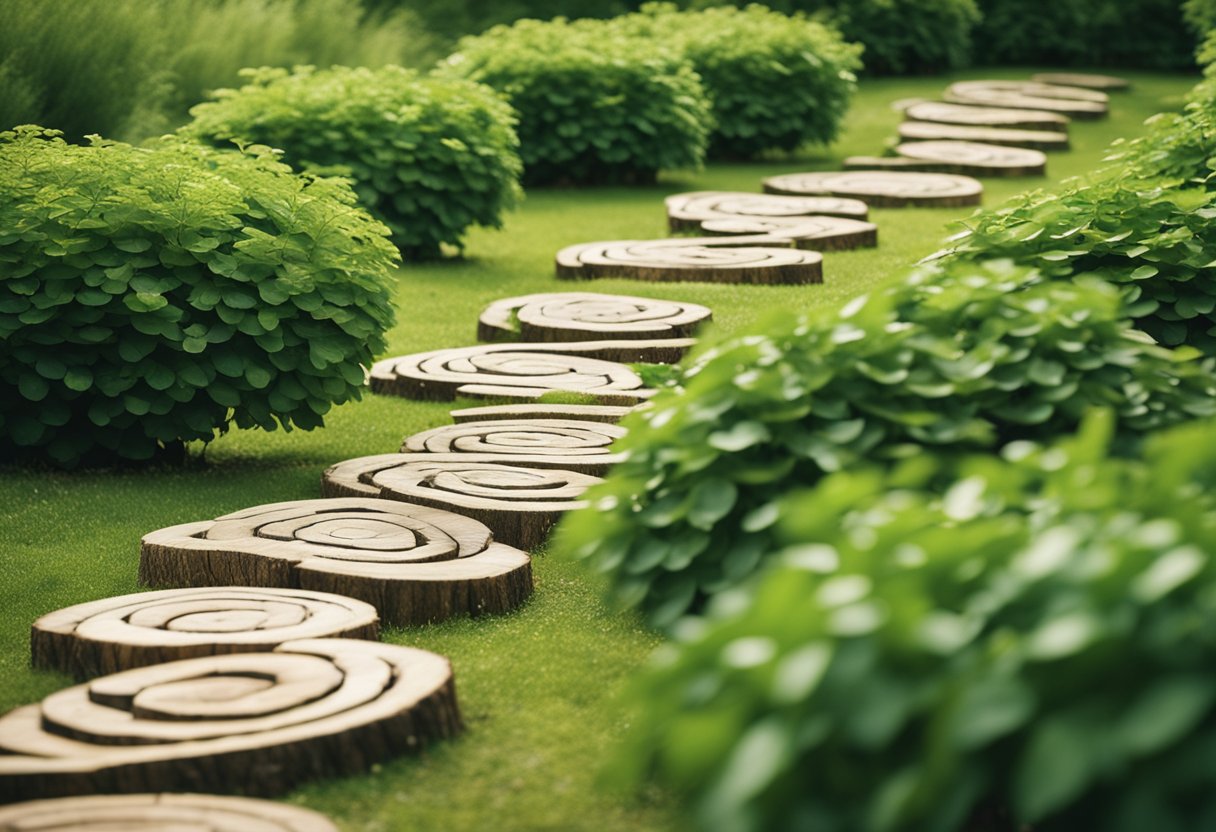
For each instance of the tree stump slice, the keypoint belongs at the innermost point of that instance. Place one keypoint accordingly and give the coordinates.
(689, 211)
(758, 259)
(587, 316)
(160, 813)
(939, 112)
(415, 565)
(582, 412)
(813, 233)
(520, 504)
(966, 158)
(923, 131)
(251, 722)
(1028, 95)
(887, 189)
(559, 443)
(1085, 80)
(116, 634)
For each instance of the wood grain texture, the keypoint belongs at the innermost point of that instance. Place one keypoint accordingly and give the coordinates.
(521, 505)
(923, 131)
(544, 443)
(821, 223)
(1085, 80)
(413, 564)
(160, 813)
(116, 634)
(965, 158)
(888, 189)
(1028, 95)
(582, 412)
(259, 723)
(588, 316)
(760, 259)
(941, 112)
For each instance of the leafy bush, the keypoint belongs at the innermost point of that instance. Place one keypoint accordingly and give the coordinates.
(972, 357)
(1200, 15)
(429, 157)
(452, 19)
(776, 82)
(151, 296)
(1032, 650)
(595, 103)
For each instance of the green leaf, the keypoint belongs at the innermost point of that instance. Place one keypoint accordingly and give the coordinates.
(1057, 765)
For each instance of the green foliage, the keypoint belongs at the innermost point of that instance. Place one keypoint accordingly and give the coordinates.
(1029, 648)
(429, 157)
(973, 356)
(151, 296)
(595, 102)
(1200, 15)
(452, 19)
(776, 82)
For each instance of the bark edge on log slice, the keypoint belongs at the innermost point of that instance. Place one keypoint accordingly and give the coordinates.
(161, 813)
(588, 316)
(888, 189)
(941, 112)
(922, 131)
(584, 412)
(759, 259)
(966, 158)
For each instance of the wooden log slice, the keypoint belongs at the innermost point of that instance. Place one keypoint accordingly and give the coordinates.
(967, 158)
(587, 316)
(543, 443)
(583, 412)
(761, 259)
(160, 813)
(923, 131)
(115, 634)
(686, 212)
(520, 504)
(1085, 80)
(813, 233)
(252, 722)
(1027, 95)
(414, 565)
(882, 188)
(939, 112)
(520, 370)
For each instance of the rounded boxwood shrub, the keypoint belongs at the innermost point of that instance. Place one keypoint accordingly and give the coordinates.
(596, 103)
(429, 157)
(150, 296)
(970, 357)
(1032, 649)
(776, 82)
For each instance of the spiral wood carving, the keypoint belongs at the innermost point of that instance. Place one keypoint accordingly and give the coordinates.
(756, 259)
(890, 189)
(160, 813)
(1030, 95)
(587, 316)
(583, 412)
(250, 722)
(1005, 117)
(968, 158)
(923, 131)
(413, 564)
(531, 443)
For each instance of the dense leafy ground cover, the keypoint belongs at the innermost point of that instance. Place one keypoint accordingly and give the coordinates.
(538, 687)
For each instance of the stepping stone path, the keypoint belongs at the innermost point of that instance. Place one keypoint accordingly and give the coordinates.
(761, 259)
(579, 316)
(521, 505)
(538, 443)
(922, 131)
(820, 223)
(116, 634)
(888, 189)
(1082, 79)
(940, 112)
(259, 722)
(1029, 95)
(160, 813)
(582, 412)
(968, 158)
(413, 564)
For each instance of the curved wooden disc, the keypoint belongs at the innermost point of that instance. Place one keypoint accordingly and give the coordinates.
(1085, 80)
(559, 443)
(584, 412)
(577, 316)
(254, 722)
(815, 233)
(523, 370)
(756, 259)
(115, 634)
(413, 564)
(883, 188)
(686, 212)
(160, 813)
(1028, 95)
(968, 158)
(520, 504)
(922, 131)
(941, 112)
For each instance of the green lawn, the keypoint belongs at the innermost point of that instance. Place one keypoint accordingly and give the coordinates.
(537, 687)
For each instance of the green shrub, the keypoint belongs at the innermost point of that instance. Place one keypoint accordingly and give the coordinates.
(972, 357)
(776, 82)
(595, 103)
(1200, 16)
(429, 157)
(151, 296)
(1032, 650)
(453, 19)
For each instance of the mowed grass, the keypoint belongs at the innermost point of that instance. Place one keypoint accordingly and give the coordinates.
(539, 687)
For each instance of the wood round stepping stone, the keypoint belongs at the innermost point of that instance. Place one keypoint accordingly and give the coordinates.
(968, 158)
(413, 564)
(761, 259)
(541, 443)
(160, 813)
(582, 412)
(588, 316)
(940, 112)
(115, 634)
(923, 131)
(888, 189)
(1028, 95)
(513, 371)
(1085, 80)
(251, 722)
(520, 504)
(691, 211)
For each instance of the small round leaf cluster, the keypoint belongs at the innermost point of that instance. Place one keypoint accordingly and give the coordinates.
(972, 356)
(999, 644)
(150, 296)
(429, 157)
(596, 103)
